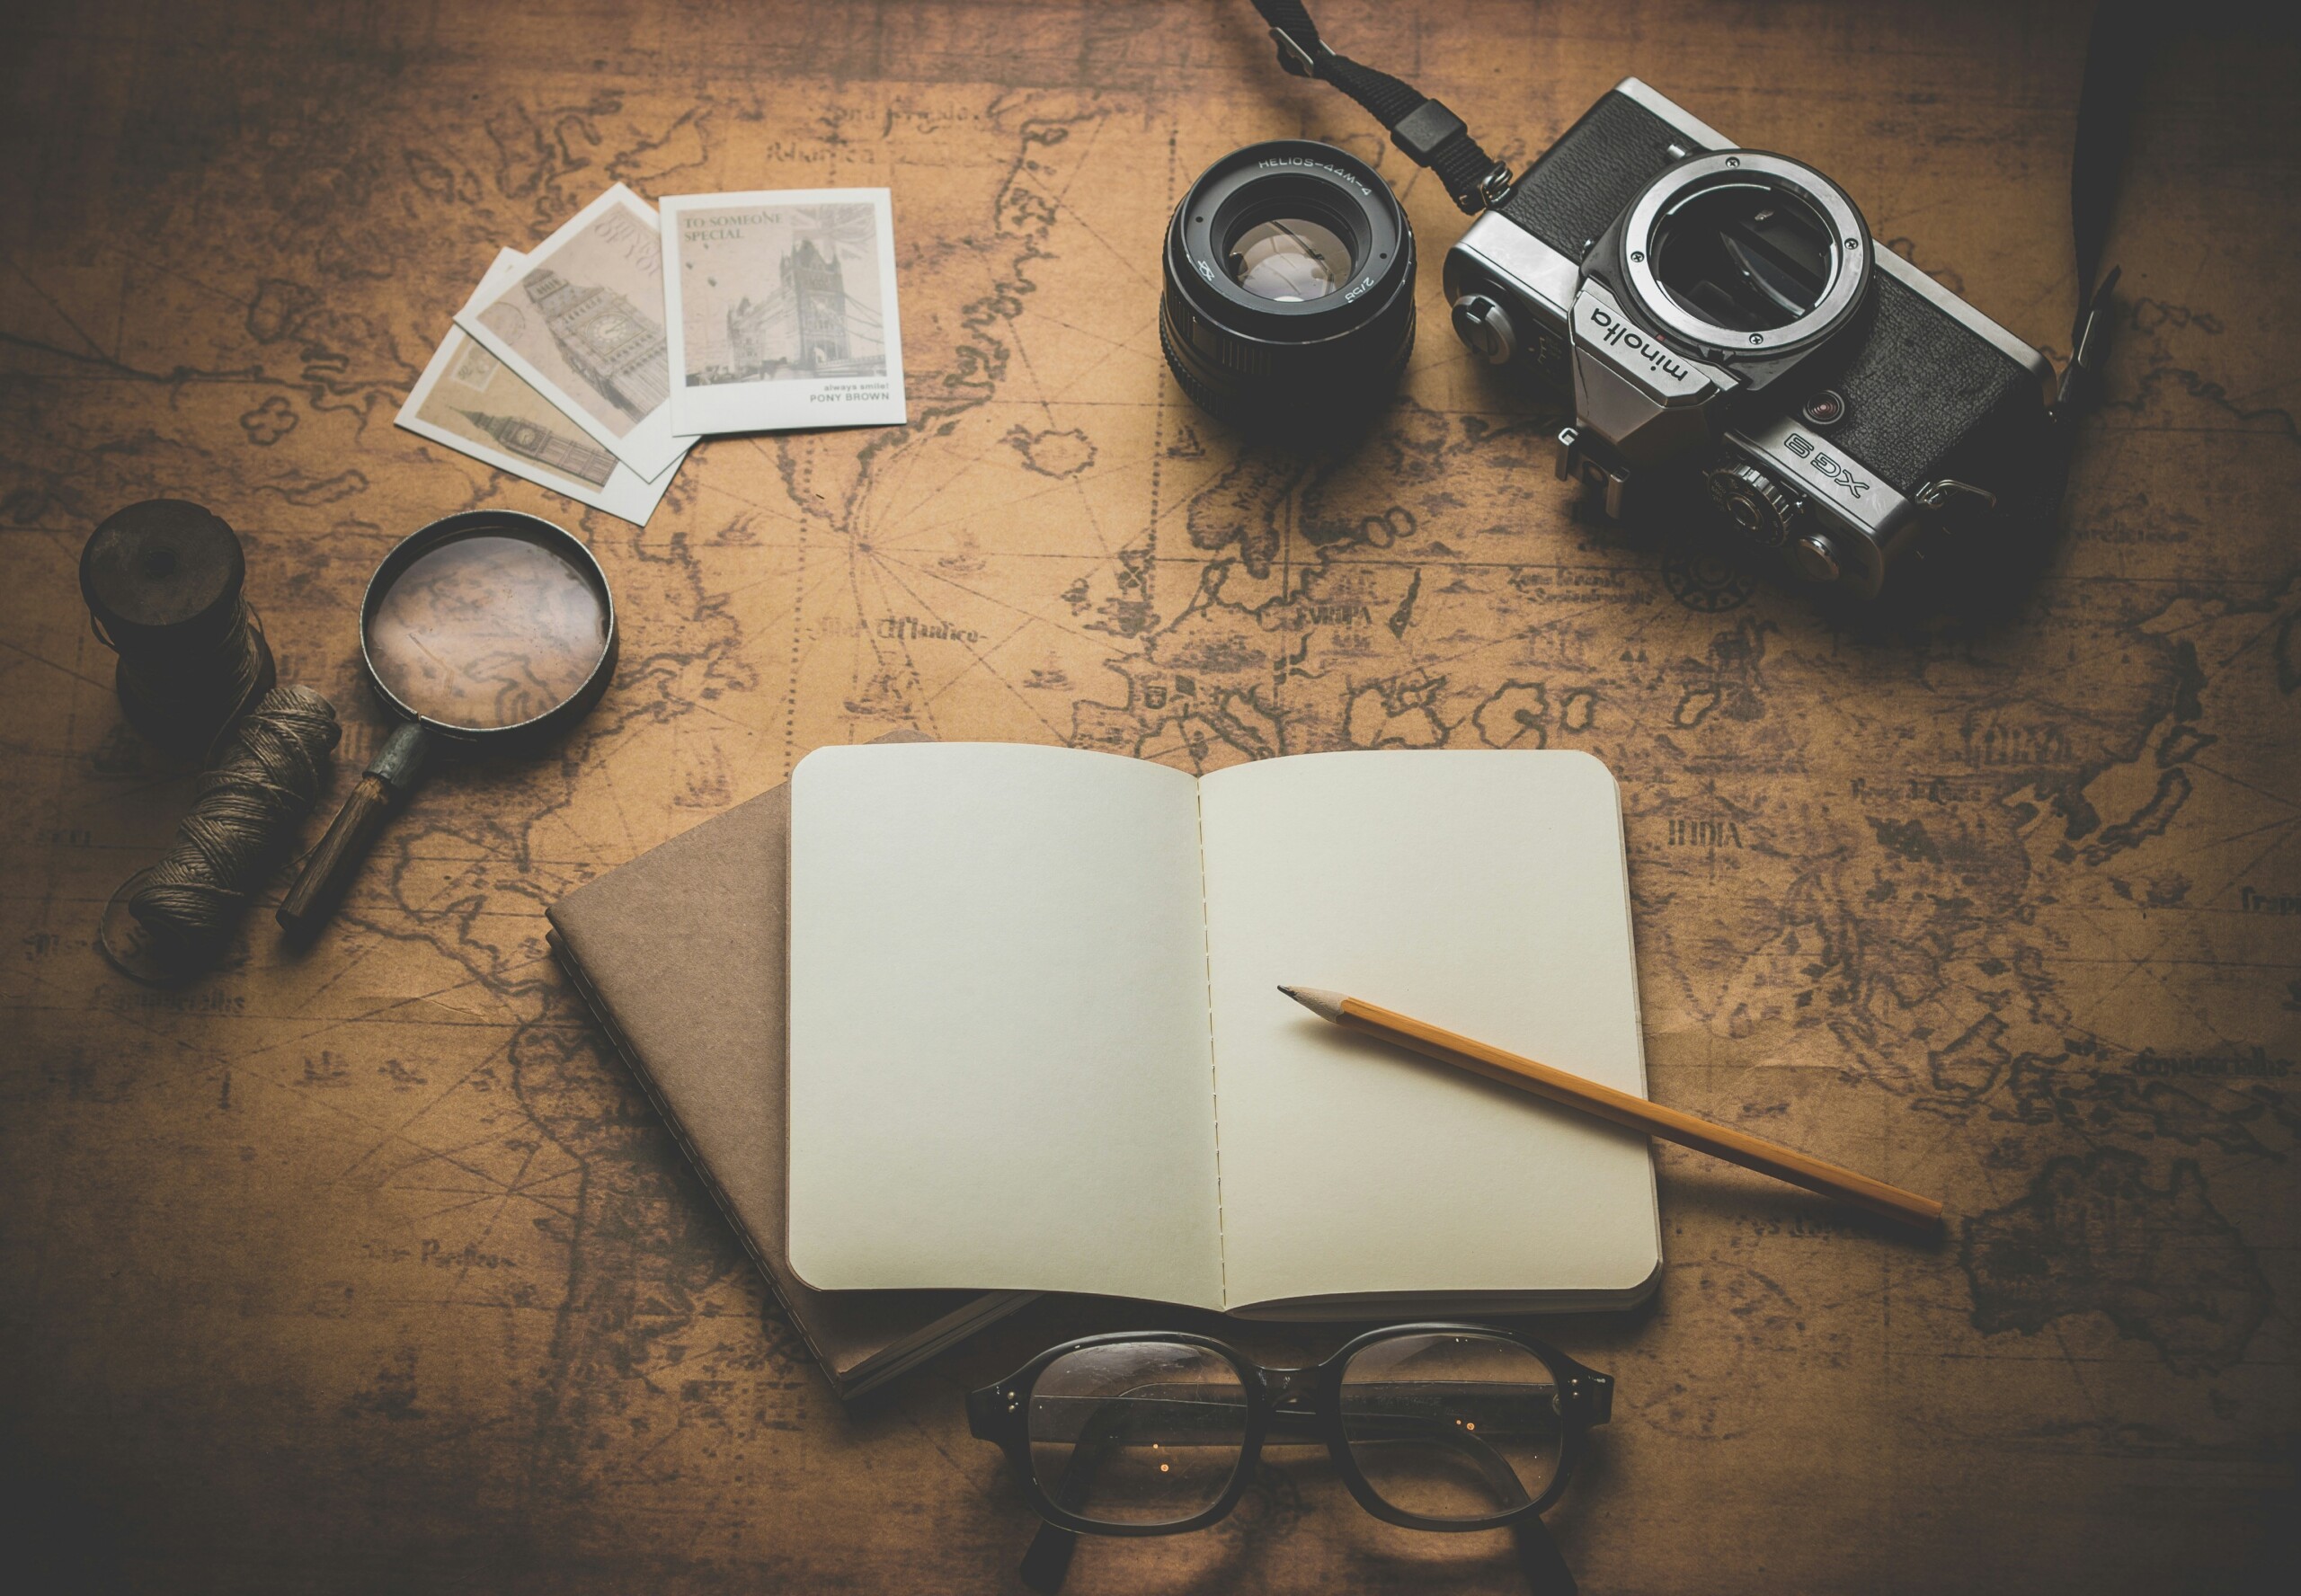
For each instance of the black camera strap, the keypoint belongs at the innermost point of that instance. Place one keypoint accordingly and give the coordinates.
(2115, 61)
(1431, 135)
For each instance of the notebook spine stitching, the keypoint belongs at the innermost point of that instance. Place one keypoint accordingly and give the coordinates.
(1213, 1067)
(592, 1000)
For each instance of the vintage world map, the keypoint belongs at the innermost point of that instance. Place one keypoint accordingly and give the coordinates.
(369, 1269)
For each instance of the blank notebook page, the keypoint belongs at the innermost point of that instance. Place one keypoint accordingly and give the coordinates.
(1480, 892)
(999, 1069)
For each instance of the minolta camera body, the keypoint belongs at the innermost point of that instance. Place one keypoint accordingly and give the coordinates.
(1721, 317)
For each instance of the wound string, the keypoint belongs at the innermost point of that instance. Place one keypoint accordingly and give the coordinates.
(245, 809)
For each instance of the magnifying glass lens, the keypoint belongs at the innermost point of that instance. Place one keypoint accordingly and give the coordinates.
(487, 631)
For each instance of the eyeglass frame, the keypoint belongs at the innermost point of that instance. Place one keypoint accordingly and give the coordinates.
(1584, 1398)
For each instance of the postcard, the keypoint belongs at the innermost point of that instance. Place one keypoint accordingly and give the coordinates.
(475, 405)
(781, 310)
(583, 324)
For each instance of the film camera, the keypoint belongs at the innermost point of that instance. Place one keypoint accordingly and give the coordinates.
(1721, 323)
(1723, 313)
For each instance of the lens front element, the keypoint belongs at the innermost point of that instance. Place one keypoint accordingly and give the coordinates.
(1138, 1432)
(1453, 1425)
(1290, 260)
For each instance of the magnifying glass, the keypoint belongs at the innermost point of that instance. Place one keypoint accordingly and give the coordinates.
(489, 631)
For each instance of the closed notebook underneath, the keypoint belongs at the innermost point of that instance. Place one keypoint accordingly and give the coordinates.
(683, 953)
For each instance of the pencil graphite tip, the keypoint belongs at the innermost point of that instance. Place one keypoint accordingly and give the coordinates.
(1327, 1006)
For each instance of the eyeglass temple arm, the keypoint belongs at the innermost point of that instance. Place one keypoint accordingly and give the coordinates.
(1539, 1560)
(1047, 1562)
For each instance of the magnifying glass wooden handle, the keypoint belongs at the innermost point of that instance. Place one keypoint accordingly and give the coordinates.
(328, 873)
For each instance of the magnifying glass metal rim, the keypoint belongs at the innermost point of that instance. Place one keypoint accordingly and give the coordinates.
(473, 523)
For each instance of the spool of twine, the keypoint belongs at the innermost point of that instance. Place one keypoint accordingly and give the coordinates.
(163, 580)
(245, 810)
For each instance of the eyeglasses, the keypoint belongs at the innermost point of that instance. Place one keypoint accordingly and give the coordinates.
(1438, 1426)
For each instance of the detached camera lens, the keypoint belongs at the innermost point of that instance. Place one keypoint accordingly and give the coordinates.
(1289, 301)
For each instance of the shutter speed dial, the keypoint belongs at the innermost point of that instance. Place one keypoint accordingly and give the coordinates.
(1761, 508)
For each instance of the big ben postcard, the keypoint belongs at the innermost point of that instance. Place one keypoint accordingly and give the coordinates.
(477, 405)
(584, 325)
(780, 307)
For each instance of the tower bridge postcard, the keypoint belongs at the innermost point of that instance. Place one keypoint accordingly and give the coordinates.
(779, 293)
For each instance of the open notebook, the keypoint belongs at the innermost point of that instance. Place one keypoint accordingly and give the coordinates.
(1036, 1042)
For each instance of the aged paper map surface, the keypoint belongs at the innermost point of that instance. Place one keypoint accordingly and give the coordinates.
(369, 1270)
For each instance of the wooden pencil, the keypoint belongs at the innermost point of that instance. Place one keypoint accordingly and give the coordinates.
(1620, 1108)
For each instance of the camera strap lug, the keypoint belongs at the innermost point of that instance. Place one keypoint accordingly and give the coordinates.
(1431, 135)
(1946, 492)
(2080, 380)
(1958, 509)
(1295, 60)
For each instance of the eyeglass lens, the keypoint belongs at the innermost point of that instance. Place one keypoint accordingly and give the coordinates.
(1137, 1432)
(1451, 1427)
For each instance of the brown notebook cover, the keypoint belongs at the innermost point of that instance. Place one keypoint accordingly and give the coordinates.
(682, 956)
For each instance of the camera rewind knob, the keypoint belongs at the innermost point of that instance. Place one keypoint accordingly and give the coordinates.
(1760, 508)
(1482, 324)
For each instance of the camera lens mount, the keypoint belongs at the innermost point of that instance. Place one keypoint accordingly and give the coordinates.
(1288, 305)
(1742, 252)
